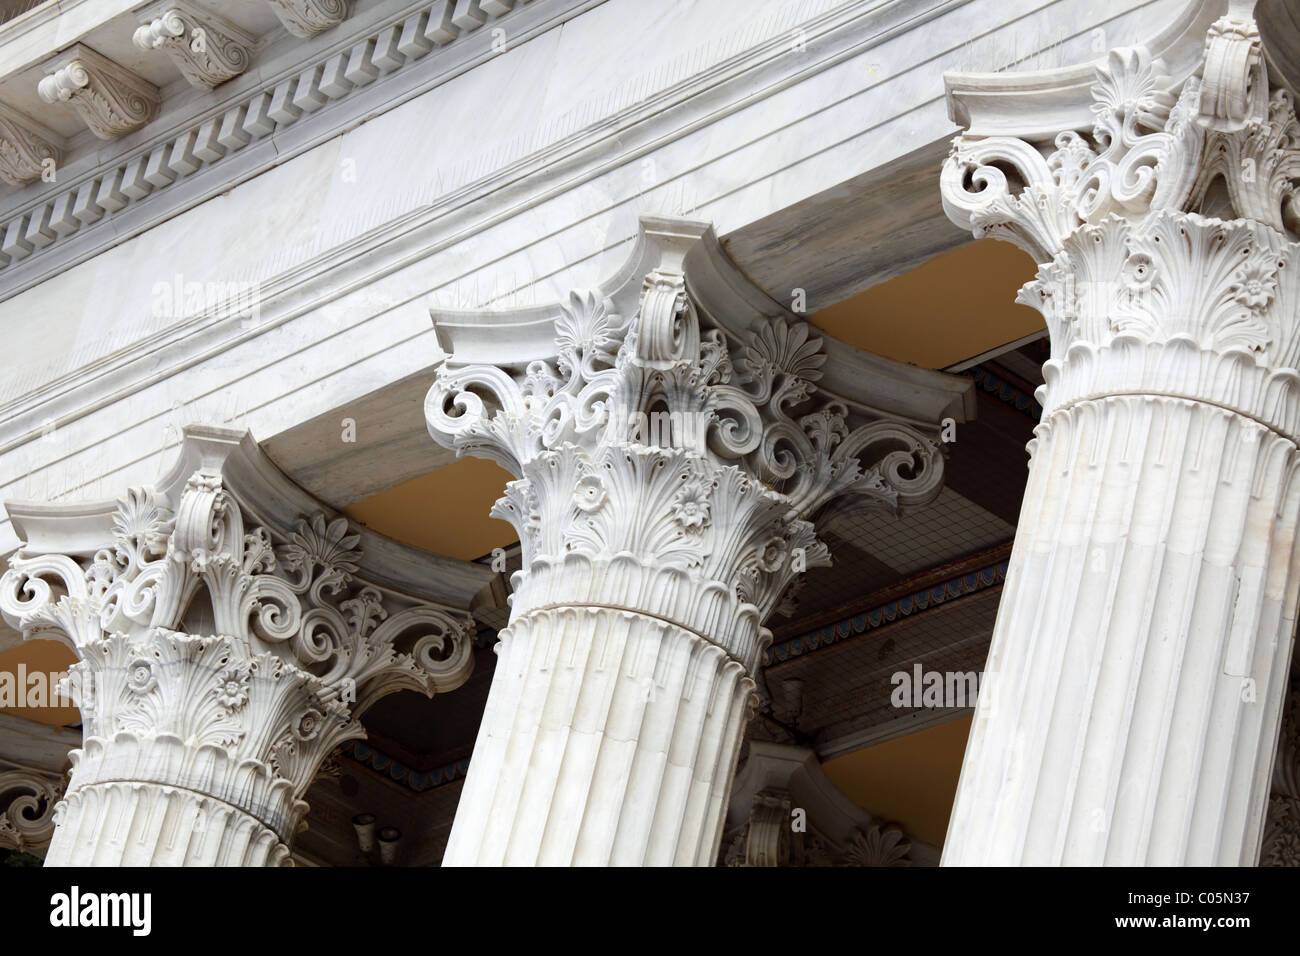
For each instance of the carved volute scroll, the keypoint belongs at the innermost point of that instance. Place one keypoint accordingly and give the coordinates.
(662, 444)
(1166, 233)
(223, 655)
(671, 444)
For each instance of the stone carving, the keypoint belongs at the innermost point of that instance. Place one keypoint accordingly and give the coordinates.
(768, 832)
(109, 98)
(881, 844)
(206, 48)
(1165, 232)
(767, 840)
(786, 812)
(306, 18)
(27, 801)
(650, 441)
(222, 656)
(671, 447)
(25, 148)
(1282, 832)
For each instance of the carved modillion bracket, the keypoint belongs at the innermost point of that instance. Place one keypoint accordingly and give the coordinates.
(110, 99)
(206, 48)
(306, 18)
(27, 149)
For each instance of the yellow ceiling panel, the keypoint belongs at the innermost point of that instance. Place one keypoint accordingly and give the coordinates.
(910, 780)
(952, 308)
(28, 672)
(445, 511)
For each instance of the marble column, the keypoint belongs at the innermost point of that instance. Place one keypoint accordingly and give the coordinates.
(1139, 662)
(668, 458)
(221, 658)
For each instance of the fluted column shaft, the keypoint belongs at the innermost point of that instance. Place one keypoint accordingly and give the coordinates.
(609, 737)
(665, 467)
(145, 824)
(1139, 662)
(1131, 698)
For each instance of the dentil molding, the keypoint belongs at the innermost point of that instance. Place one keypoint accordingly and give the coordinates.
(229, 635)
(257, 106)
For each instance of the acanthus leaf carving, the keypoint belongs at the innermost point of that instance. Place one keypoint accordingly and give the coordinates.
(1166, 233)
(206, 48)
(306, 18)
(660, 439)
(27, 802)
(199, 635)
(26, 149)
(110, 99)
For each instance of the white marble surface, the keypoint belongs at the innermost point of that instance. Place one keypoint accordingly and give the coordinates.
(727, 124)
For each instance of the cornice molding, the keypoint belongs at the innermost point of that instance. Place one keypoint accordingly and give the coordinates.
(87, 201)
(408, 238)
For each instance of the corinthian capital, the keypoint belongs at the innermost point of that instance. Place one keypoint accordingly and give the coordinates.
(228, 634)
(1163, 212)
(673, 438)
